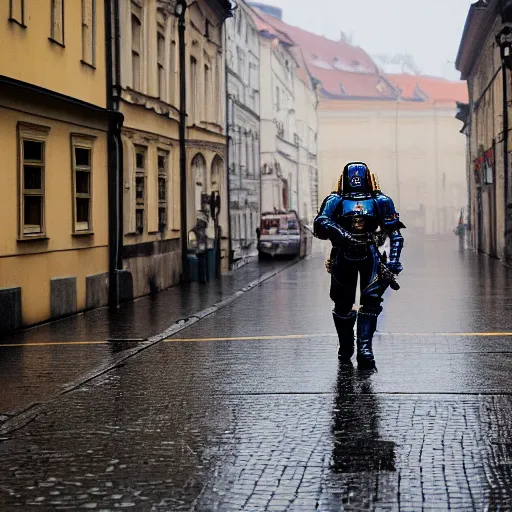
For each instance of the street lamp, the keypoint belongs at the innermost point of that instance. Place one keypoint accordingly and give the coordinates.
(179, 11)
(179, 8)
(504, 41)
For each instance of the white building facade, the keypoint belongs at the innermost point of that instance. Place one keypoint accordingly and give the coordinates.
(289, 123)
(243, 93)
(279, 139)
(306, 102)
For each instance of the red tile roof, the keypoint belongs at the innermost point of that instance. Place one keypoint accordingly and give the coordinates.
(320, 48)
(264, 23)
(348, 72)
(430, 89)
(355, 85)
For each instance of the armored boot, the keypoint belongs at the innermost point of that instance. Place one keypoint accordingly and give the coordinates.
(366, 326)
(345, 328)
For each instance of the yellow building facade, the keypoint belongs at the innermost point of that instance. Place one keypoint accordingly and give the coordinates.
(150, 95)
(53, 142)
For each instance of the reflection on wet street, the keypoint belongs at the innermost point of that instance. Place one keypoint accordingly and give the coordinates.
(250, 410)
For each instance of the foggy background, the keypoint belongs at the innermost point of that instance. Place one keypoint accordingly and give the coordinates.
(430, 32)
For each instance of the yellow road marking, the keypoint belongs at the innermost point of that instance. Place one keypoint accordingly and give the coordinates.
(334, 335)
(263, 338)
(249, 338)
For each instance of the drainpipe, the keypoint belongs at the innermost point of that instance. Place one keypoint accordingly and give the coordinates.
(180, 11)
(505, 158)
(227, 159)
(119, 124)
(115, 121)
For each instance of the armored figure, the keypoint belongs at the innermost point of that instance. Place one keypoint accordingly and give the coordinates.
(355, 218)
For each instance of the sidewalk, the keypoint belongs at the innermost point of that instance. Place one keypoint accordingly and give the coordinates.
(43, 361)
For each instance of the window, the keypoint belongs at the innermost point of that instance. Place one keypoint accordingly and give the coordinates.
(240, 63)
(57, 22)
(81, 148)
(136, 52)
(160, 64)
(162, 191)
(208, 86)
(193, 84)
(255, 155)
(32, 147)
(88, 32)
(140, 188)
(17, 12)
(248, 159)
(172, 63)
(218, 87)
(278, 99)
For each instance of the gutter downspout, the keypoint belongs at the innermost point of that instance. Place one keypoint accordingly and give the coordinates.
(183, 147)
(113, 166)
(119, 144)
(227, 159)
(505, 162)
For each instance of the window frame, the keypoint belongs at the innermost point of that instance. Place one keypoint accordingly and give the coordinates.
(84, 61)
(160, 63)
(35, 133)
(53, 36)
(136, 12)
(172, 86)
(82, 141)
(12, 19)
(208, 89)
(141, 172)
(162, 173)
(194, 85)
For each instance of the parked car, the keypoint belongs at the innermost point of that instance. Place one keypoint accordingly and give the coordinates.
(280, 235)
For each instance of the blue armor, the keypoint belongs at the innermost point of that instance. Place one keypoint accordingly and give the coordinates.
(351, 218)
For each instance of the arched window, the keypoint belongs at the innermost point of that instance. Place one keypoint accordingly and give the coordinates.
(199, 174)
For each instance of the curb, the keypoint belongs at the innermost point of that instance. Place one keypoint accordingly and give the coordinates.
(19, 418)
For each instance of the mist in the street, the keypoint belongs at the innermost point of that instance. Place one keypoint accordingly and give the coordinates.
(255, 255)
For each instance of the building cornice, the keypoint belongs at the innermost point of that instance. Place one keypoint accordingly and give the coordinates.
(32, 88)
(479, 22)
(206, 146)
(246, 108)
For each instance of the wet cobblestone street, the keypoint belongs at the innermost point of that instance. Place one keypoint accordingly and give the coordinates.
(248, 409)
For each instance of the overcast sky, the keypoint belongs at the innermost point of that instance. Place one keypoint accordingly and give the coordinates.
(429, 31)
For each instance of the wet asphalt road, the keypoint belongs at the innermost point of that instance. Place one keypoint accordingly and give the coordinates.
(249, 410)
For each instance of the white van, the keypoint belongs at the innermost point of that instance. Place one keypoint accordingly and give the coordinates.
(280, 235)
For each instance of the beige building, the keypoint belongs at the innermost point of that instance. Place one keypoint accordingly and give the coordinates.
(485, 122)
(414, 147)
(150, 105)
(53, 142)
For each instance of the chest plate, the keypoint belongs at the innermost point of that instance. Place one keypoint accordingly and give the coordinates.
(359, 216)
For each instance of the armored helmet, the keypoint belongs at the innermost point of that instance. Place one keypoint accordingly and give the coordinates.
(357, 179)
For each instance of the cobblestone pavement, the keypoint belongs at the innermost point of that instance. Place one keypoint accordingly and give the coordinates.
(249, 410)
(45, 359)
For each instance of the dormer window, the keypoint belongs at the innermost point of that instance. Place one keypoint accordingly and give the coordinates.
(382, 88)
